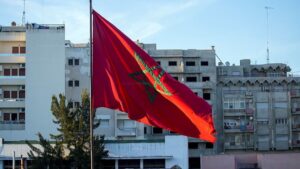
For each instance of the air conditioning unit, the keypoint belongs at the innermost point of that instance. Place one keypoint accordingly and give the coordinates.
(22, 65)
(22, 110)
(22, 87)
(1, 68)
(1, 91)
(248, 93)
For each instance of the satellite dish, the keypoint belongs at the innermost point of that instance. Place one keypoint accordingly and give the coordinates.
(227, 63)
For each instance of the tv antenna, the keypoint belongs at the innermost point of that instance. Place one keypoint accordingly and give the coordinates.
(23, 17)
(268, 51)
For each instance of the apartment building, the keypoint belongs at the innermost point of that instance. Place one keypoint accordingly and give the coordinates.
(195, 68)
(259, 104)
(255, 107)
(32, 66)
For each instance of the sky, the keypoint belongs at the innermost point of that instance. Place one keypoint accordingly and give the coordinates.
(237, 28)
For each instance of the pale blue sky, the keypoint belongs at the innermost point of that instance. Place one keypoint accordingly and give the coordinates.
(237, 28)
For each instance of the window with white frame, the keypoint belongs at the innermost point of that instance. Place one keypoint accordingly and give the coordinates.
(104, 120)
(234, 103)
(126, 124)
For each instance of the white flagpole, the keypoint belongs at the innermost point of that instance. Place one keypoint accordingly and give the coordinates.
(91, 75)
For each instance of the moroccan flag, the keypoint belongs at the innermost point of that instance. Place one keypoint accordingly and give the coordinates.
(126, 78)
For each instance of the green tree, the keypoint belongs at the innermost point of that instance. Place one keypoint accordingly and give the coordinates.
(73, 127)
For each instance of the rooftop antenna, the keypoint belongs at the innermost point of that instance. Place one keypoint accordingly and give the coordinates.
(268, 51)
(23, 17)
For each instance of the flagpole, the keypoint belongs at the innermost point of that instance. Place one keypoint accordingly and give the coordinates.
(91, 75)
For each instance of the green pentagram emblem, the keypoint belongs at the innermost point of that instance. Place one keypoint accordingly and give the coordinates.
(140, 76)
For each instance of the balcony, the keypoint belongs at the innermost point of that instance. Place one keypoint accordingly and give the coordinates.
(234, 112)
(235, 145)
(238, 129)
(12, 103)
(12, 80)
(296, 110)
(12, 58)
(295, 93)
(12, 125)
(126, 131)
(249, 111)
(296, 143)
(296, 127)
(13, 36)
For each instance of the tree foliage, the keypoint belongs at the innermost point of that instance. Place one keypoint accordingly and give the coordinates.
(71, 146)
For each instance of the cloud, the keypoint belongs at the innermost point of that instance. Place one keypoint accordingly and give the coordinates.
(145, 21)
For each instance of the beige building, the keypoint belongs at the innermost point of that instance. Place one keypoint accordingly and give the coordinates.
(259, 105)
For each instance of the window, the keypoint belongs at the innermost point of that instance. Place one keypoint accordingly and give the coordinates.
(22, 72)
(22, 49)
(126, 164)
(175, 77)
(15, 49)
(172, 63)
(236, 73)
(190, 63)
(281, 121)
(193, 145)
(22, 116)
(194, 163)
(145, 130)
(209, 145)
(14, 117)
(70, 83)
(14, 72)
(204, 63)
(154, 163)
(158, 62)
(104, 123)
(76, 104)
(196, 93)
(70, 105)
(205, 78)
(76, 83)
(234, 103)
(76, 61)
(6, 94)
(206, 96)
(70, 62)
(6, 72)
(6, 116)
(126, 124)
(14, 94)
(157, 130)
(108, 164)
(191, 79)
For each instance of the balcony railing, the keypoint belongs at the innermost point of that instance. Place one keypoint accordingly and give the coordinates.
(296, 127)
(295, 93)
(126, 131)
(12, 125)
(12, 103)
(12, 54)
(241, 128)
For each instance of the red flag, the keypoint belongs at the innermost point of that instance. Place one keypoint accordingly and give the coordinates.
(126, 78)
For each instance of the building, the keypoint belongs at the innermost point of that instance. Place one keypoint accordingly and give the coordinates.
(256, 108)
(259, 105)
(195, 68)
(32, 66)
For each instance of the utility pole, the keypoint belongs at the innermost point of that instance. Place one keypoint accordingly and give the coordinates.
(23, 17)
(268, 51)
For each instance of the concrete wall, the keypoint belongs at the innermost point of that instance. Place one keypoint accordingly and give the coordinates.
(177, 146)
(219, 161)
(45, 66)
(263, 161)
(279, 161)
